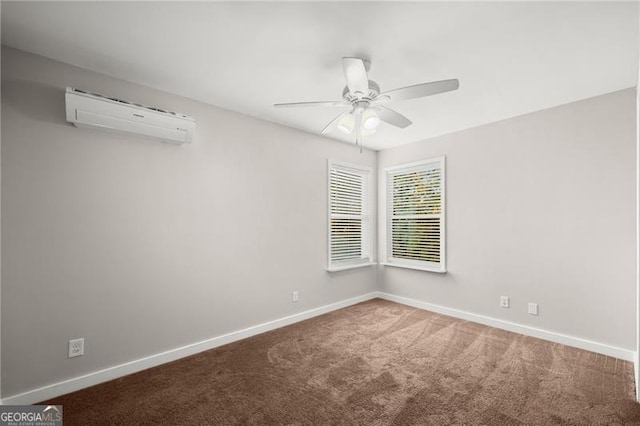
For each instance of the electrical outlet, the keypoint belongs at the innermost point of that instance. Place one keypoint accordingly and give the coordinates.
(504, 301)
(533, 308)
(76, 347)
(294, 296)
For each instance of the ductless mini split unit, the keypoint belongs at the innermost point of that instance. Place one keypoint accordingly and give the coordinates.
(91, 110)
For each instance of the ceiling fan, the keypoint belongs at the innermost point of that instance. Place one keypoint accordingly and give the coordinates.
(366, 102)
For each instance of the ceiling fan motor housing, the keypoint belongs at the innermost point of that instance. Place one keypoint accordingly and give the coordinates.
(374, 91)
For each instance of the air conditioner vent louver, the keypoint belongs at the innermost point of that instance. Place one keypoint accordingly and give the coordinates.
(93, 110)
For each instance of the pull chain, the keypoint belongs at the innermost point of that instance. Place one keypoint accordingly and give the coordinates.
(359, 129)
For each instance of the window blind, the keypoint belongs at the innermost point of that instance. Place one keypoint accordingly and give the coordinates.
(349, 239)
(415, 215)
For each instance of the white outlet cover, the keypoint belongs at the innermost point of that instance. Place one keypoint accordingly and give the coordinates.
(533, 308)
(504, 301)
(76, 347)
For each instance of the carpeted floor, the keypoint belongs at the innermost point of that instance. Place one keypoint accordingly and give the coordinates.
(376, 363)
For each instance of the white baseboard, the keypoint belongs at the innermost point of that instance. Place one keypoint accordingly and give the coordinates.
(576, 342)
(91, 379)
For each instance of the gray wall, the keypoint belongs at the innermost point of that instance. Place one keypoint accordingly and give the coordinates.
(141, 247)
(0, 240)
(637, 360)
(540, 208)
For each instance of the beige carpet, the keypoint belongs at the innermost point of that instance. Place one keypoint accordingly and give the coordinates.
(376, 363)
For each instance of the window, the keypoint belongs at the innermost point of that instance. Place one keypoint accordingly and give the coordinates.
(415, 215)
(349, 216)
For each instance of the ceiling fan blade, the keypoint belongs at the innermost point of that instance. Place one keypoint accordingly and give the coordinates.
(356, 75)
(421, 90)
(333, 123)
(392, 117)
(313, 104)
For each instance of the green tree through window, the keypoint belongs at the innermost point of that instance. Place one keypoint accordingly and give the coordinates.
(415, 215)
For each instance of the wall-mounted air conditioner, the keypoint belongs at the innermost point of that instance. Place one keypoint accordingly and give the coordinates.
(96, 111)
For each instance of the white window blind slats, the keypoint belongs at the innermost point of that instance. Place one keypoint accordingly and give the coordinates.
(417, 239)
(346, 192)
(348, 215)
(415, 215)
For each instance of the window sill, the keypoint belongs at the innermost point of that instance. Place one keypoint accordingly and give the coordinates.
(417, 268)
(347, 267)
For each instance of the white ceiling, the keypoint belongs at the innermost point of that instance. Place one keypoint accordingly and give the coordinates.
(511, 58)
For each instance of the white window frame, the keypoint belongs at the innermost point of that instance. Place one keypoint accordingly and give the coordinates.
(439, 267)
(366, 257)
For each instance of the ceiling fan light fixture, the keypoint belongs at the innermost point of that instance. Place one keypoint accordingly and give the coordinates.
(346, 124)
(370, 119)
(367, 132)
